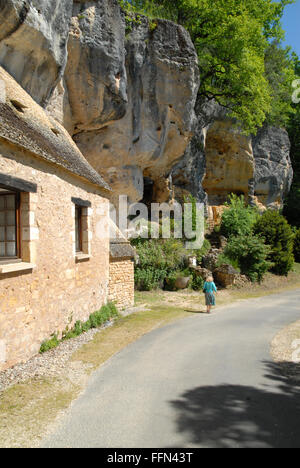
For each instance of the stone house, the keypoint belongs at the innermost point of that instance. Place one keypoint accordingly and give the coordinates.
(54, 241)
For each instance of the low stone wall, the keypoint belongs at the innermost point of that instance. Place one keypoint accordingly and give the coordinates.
(121, 282)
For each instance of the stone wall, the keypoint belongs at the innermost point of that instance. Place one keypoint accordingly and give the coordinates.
(121, 282)
(59, 289)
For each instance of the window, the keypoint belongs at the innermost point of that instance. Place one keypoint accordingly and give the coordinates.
(9, 225)
(78, 228)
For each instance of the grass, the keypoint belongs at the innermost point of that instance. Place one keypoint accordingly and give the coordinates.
(28, 410)
(125, 331)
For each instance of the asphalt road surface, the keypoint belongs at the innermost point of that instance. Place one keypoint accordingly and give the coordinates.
(205, 381)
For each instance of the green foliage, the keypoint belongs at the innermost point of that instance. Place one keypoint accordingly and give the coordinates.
(157, 258)
(150, 8)
(172, 277)
(292, 205)
(277, 233)
(147, 279)
(95, 320)
(197, 282)
(162, 254)
(280, 72)
(238, 219)
(224, 260)
(161, 260)
(297, 246)
(200, 253)
(251, 255)
(49, 344)
(232, 38)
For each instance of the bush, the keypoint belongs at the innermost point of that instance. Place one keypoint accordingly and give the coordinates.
(297, 246)
(224, 260)
(157, 259)
(149, 278)
(238, 219)
(197, 282)
(277, 232)
(200, 253)
(251, 254)
(49, 344)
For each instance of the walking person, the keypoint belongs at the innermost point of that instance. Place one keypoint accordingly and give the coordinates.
(210, 289)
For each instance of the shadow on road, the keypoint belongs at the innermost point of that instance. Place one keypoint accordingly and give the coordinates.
(243, 416)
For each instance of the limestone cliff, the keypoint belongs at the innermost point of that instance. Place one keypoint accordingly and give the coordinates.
(125, 89)
(221, 160)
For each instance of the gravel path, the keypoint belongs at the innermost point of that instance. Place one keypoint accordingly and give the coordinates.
(50, 364)
(285, 348)
(53, 362)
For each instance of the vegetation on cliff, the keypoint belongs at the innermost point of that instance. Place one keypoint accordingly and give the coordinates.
(242, 64)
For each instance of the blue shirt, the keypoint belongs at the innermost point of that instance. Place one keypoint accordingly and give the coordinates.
(209, 287)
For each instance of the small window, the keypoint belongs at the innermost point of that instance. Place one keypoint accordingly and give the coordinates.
(9, 225)
(78, 228)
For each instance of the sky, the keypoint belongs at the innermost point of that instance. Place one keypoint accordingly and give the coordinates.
(291, 24)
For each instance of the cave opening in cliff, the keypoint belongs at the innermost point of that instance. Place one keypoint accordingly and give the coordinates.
(148, 192)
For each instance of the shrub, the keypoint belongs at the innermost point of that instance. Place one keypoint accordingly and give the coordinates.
(149, 278)
(200, 253)
(49, 344)
(251, 254)
(297, 246)
(197, 282)
(95, 320)
(238, 219)
(157, 258)
(276, 231)
(225, 260)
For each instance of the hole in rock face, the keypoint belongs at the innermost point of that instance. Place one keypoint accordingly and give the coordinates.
(106, 146)
(148, 191)
(55, 131)
(18, 106)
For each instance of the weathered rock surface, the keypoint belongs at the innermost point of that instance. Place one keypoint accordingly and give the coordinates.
(33, 43)
(126, 92)
(95, 74)
(162, 83)
(273, 168)
(220, 160)
(229, 162)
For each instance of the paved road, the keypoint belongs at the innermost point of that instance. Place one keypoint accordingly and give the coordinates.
(206, 381)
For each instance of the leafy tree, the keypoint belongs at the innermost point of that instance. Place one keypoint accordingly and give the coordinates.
(292, 206)
(276, 231)
(280, 72)
(238, 219)
(251, 254)
(231, 37)
(297, 246)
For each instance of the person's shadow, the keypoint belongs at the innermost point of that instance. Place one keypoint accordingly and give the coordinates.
(228, 416)
(192, 311)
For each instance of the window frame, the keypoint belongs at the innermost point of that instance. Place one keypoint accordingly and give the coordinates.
(16, 258)
(78, 226)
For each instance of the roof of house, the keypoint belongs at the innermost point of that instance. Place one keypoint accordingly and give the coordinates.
(119, 246)
(120, 249)
(24, 123)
